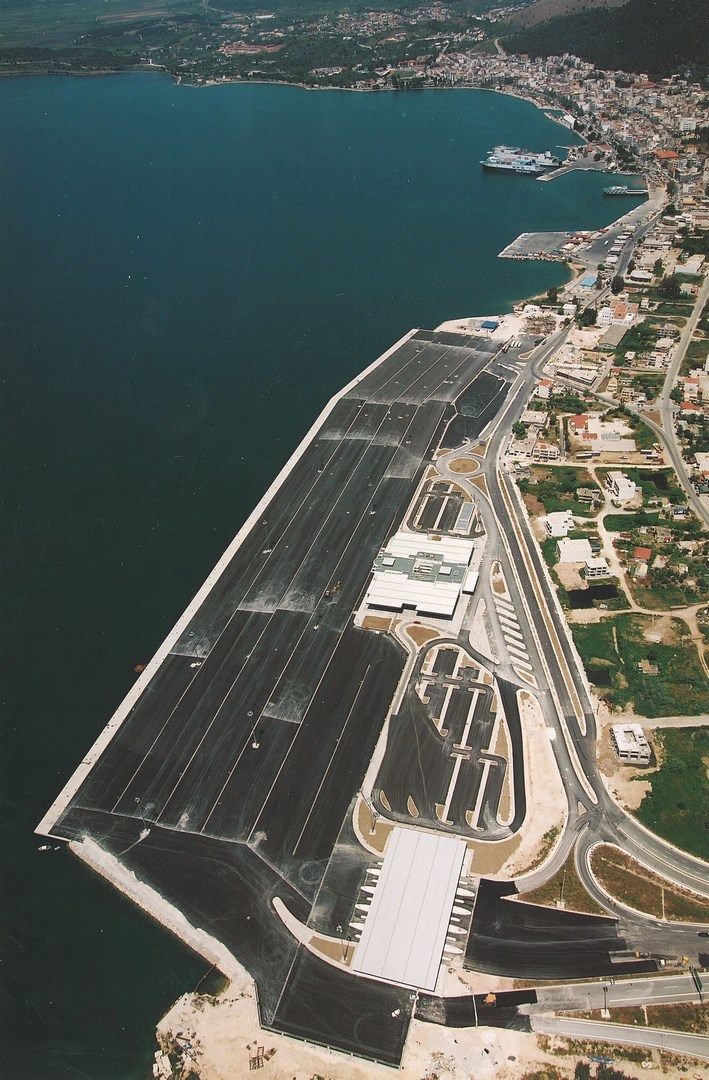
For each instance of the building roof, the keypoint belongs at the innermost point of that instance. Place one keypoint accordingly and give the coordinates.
(643, 553)
(613, 336)
(560, 517)
(406, 925)
(630, 739)
(423, 572)
(574, 550)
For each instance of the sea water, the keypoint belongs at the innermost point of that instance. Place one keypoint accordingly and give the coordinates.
(186, 277)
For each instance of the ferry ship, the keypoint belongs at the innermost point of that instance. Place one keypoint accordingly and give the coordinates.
(623, 189)
(524, 162)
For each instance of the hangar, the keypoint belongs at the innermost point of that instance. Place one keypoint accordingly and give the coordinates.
(427, 573)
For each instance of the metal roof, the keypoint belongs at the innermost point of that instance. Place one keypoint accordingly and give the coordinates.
(406, 926)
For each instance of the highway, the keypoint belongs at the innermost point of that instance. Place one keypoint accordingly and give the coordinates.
(667, 409)
(696, 1046)
(612, 993)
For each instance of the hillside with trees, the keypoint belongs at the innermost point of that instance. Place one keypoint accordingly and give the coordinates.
(642, 36)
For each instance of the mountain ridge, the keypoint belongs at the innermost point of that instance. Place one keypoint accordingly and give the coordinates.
(649, 36)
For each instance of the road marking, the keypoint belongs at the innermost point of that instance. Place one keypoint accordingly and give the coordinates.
(332, 757)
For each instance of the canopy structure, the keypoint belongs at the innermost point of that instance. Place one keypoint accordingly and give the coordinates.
(406, 926)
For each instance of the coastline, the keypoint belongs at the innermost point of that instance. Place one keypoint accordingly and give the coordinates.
(195, 938)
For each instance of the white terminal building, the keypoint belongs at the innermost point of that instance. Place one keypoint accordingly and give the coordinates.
(423, 572)
(630, 743)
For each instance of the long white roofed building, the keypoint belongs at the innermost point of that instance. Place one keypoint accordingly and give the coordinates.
(424, 572)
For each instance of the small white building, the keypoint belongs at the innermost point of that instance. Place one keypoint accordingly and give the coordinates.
(576, 551)
(630, 743)
(620, 487)
(545, 451)
(596, 568)
(544, 388)
(559, 523)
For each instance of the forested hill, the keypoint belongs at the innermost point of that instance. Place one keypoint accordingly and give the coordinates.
(654, 36)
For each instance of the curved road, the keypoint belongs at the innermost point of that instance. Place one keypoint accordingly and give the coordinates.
(567, 703)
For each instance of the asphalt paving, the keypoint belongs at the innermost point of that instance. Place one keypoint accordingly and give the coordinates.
(243, 753)
(513, 938)
(232, 778)
(425, 744)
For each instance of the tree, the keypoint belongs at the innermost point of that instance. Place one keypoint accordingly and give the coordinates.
(631, 266)
(659, 267)
(588, 317)
(519, 430)
(670, 287)
(553, 294)
(617, 285)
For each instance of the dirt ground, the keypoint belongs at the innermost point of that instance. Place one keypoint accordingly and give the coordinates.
(225, 1035)
(570, 575)
(661, 628)
(464, 465)
(628, 784)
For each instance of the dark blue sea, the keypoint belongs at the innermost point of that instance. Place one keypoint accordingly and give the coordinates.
(186, 277)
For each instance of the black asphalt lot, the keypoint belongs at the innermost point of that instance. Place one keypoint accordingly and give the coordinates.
(419, 759)
(520, 940)
(474, 1011)
(245, 750)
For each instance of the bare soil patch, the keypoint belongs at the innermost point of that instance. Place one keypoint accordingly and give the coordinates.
(420, 635)
(569, 575)
(628, 786)
(376, 622)
(662, 628)
(463, 465)
(534, 506)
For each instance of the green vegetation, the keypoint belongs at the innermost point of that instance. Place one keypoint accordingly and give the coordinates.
(686, 1017)
(655, 483)
(626, 880)
(697, 352)
(670, 287)
(568, 402)
(693, 1019)
(336, 43)
(631, 523)
(556, 488)
(642, 35)
(677, 808)
(639, 338)
(704, 321)
(695, 243)
(565, 885)
(612, 650)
